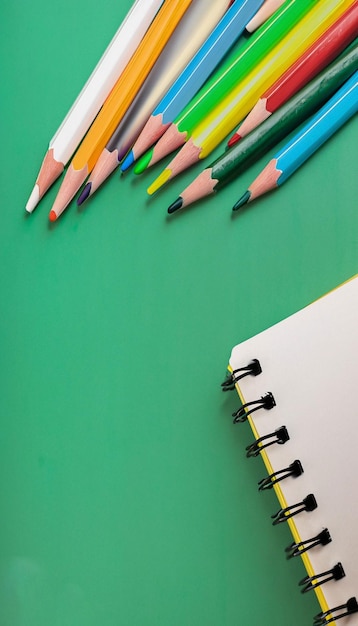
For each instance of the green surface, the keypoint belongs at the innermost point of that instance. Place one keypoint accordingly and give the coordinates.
(126, 497)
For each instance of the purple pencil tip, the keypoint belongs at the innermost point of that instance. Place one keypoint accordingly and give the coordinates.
(84, 194)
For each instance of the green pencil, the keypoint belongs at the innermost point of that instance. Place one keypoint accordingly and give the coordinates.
(226, 77)
(295, 111)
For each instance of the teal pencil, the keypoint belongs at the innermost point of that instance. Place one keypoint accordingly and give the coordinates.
(338, 110)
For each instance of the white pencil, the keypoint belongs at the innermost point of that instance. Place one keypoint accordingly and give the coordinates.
(88, 103)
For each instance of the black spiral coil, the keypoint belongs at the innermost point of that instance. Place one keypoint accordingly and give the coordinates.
(308, 504)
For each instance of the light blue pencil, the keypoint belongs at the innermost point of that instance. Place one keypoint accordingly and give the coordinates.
(224, 35)
(337, 110)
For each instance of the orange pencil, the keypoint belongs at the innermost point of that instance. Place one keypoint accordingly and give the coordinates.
(117, 103)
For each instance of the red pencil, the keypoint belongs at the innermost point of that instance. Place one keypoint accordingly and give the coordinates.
(315, 59)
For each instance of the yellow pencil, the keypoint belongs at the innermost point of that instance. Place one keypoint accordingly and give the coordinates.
(224, 118)
(120, 98)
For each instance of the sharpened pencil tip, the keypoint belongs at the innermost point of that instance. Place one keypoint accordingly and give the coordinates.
(243, 200)
(233, 140)
(52, 216)
(160, 181)
(143, 162)
(175, 206)
(85, 193)
(128, 161)
(33, 199)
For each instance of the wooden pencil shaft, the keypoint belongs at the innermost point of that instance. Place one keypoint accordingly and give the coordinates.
(263, 14)
(285, 120)
(250, 54)
(129, 83)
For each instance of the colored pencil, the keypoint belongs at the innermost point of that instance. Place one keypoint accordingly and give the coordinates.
(88, 103)
(221, 121)
(193, 76)
(118, 101)
(318, 56)
(194, 28)
(226, 77)
(274, 129)
(268, 8)
(336, 112)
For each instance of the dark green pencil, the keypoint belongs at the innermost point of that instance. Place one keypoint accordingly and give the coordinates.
(306, 102)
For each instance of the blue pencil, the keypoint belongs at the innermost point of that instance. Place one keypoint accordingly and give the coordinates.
(224, 35)
(337, 110)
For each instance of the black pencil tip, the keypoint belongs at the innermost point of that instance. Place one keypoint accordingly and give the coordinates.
(243, 200)
(84, 194)
(176, 205)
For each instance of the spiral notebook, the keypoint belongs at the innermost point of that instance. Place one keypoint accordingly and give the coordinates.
(297, 382)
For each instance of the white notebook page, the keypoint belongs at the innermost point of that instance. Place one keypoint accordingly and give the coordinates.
(309, 363)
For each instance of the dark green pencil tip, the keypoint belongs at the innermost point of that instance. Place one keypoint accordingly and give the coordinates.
(243, 200)
(176, 205)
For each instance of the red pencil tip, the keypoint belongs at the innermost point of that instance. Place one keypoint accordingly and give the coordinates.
(233, 140)
(52, 216)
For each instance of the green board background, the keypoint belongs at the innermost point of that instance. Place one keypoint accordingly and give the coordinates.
(126, 497)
